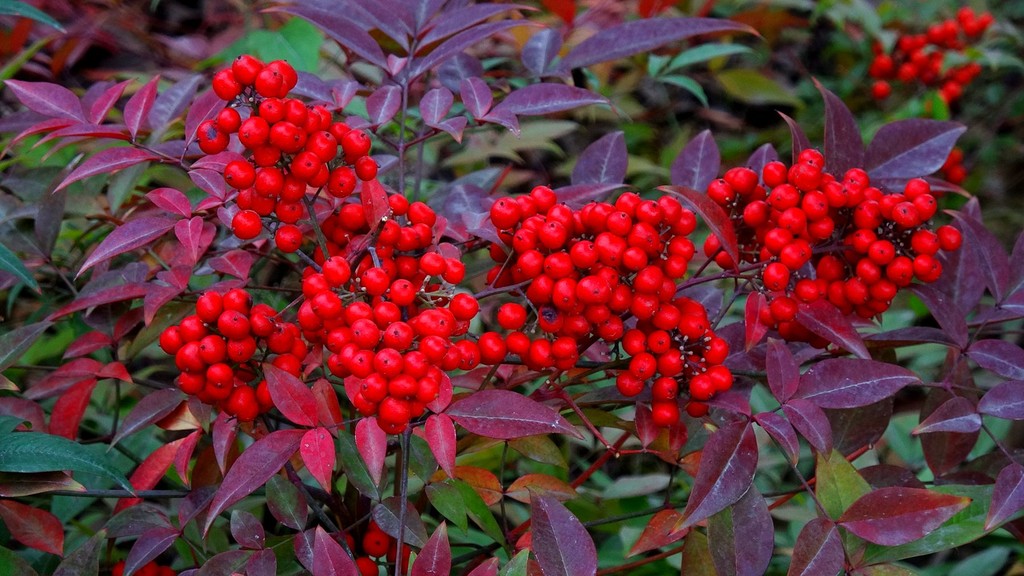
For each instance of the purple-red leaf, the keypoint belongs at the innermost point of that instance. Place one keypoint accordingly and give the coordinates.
(386, 514)
(897, 515)
(106, 162)
(954, 415)
(911, 148)
(540, 50)
(646, 430)
(1000, 356)
(602, 162)
(235, 263)
(291, 396)
(70, 407)
(439, 432)
(172, 102)
(33, 527)
(782, 432)
(435, 104)
(544, 98)
(712, 214)
(763, 155)
(247, 530)
(286, 504)
(109, 295)
(818, 550)
(946, 312)
(151, 544)
(460, 42)
(101, 105)
(1007, 495)
(824, 319)
(383, 103)
(560, 541)
(578, 195)
(435, 559)
(372, 443)
(341, 28)
(844, 147)
(375, 199)
(726, 470)
(638, 36)
(171, 200)
(252, 469)
(136, 110)
(781, 369)
(660, 531)
(743, 536)
(48, 99)
(319, 454)
(205, 107)
(476, 96)
(195, 236)
(505, 415)
(753, 329)
(152, 408)
(800, 141)
(129, 236)
(697, 163)
(811, 422)
(992, 259)
(261, 563)
(1006, 400)
(850, 383)
(331, 558)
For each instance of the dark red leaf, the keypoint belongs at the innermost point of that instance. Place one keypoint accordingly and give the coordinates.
(33, 527)
(962, 277)
(540, 99)
(897, 515)
(386, 515)
(172, 102)
(102, 104)
(319, 454)
(115, 370)
(753, 329)
(184, 455)
(224, 433)
(540, 51)
(439, 432)
(62, 378)
(743, 536)
(252, 469)
(639, 36)
(291, 396)
(48, 99)
(375, 198)
(844, 147)
(712, 214)
(372, 444)
(946, 312)
(994, 263)
(26, 411)
(70, 407)
(331, 558)
(726, 470)
(646, 430)
(195, 236)
(435, 559)
(203, 108)
(1006, 400)
(910, 148)
(151, 408)
(824, 319)
(578, 195)
(763, 155)
(458, 43)
(945, 451)
(107, 162)
(229, 562)
(151, 544)
(247, 530)
(782, 432)
(659, 532)
(488, 567)
(955, 415)
(818, 550)
(235, 263)
(435, 104)
(137, 109)
(505, 415)
(129, 236)
(781, 369)
(602, 162)
(1000, 356)
(150, 472)
(383, 103)
(800, 141)
(1007, 495)
(697, 163)
(476, 96)
(118, 293)
(341, 28)
(560, 541)
(327, 408)
(850, 383)
(261, 563)
(811, 422)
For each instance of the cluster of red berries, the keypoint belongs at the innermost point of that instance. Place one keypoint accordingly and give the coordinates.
(290, 147)
(376, 546)
(816, 237)
(920, 57)
(953, 170)
(218, 350)
(151, 569)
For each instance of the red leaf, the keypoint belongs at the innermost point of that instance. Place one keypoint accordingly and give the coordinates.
(1007, 495)
(697, 163)
(152, 408)
(851, 383)
(331, 558)
(646, 430)
(800, 141)
(109, 295)
(252, 469)
(204, 107)
(87, 344)
(136, 110)
(818, 550)
(743, 536)
(955, 415)
(69, 409)
(726, 470)
(375, 200)
(151, 544)
(107, 162)
(26, 411)
(435, 559)
(291, 396)
(505, 415)
(105, 101)
(1006, 400)
(825, 320)
(712, 214)
(195, 236)
(48, 99)
(811, 422)
(753, 329)
(225, 430)
(33, 527)
(439, 433)
(247, 530)
(781, 369)
(235, 263)
(149, 473)
(560, 541)
(659, 532)
(488, 567)
(1000, 356)
(895, 516)
(184, 455)
(318, 452)
(62, 378)
(541, 99)
(782, 432)
(126, 237)
(328, 411)
(372, 444)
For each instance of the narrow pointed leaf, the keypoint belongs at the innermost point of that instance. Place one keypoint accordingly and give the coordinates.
(800, 141)
(127, 237)
(810, 421)
(560, 541)
(726, 470)
(743, 535)
(151, 409)
(753, 329)
(33, 527)
(603, 162)
(504, 415)
(1007, 495)
(331, 558)
(712, 214)
(435, 559)
(386, 515)
(291, 396)
(818, 550)
(286, 504)
(782, 432)
(107, 162)
(137, 109)
(458, 43)
(955, 415)
(659, 532)
(844, 147)
(439, 431)
(697, 163)
(946, 312)
(897, 515)
(1006, 400)
(151, 544)
(781, 369)
(540, 50)
(319, 455)
(38, 452)
(546, 98)
(911, 148)
(825, 320)
(1000, 356)
(850, 383)
(47, 99)
(11, 264)
(372, 444)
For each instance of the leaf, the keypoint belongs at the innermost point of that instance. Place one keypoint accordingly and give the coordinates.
(331, 558)
(504, 415)
(151, 471)
(107, 162)
(897, 515)
(195, 236)
(286, 504)
(252, 469)
(945, 311)
(18, 8)
(602, 162)
(205, 107)
(439, 431)
(85, 560)
(1000, 356)
(726, 470)
(225, 432)
(743, 535)
(38, 452)
(33, 527)
(235, 263)
(48, 99)
(763, 155)
(476, 96)
(10, 263)
(811, 422)
(1007, 495)
(150, 544)
(475, 507)
(696, 557)
(540, 51)
(373, 196)
(659, 532)
(838, 483)
(341, 28)
(528, 485)
(560, 541)
(172, 102)
(137, 109)
(994, 263)
(781, 369)
(638, 36)
(578, 195)
(753, 329)
(16, 342)
(386, 514)
(824, 319)
(850, 383)
(460, 42)
(545, 98)
(318, 453)
(21, 485)
(372, 443)
(955, 415)
(291, 396)
(14, 564)
(261, 563)
(458, 17)
(352, 464)
(818, 550)
(435, 104)
(435, 559)
(229, 562)
(539, 448)
(704, 52)
(126, 237)
(1006, 400)
(171, 200)
(118, 293)
(697, 163)
(383, 103)
(152, 408)
(67, 412)
(713, 215)
(755, 88)
(910, 148)
(782, 432)
(800, 141)
(844, 147)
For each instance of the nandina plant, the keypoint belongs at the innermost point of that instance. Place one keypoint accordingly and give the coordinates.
(287, 339)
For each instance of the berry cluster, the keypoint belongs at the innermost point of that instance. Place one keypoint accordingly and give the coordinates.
(151, 569)
(920, 57)
(218, 350)
(289, 146)
(816, 237)
(953, 170)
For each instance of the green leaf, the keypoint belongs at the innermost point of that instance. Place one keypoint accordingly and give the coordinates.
(421, 461)
(688, 84)
(16, 8)
(9, 423)
(471, 505)
(752, 87)
(11, 263)
(12, 565)
(354, 467)
(38, 452)
(705, 52)
(298, 42)
(446, 499)
(16, 342)
(988, 562)
(539, 448)
(696, 560)
(517, 565)
(839, 484)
